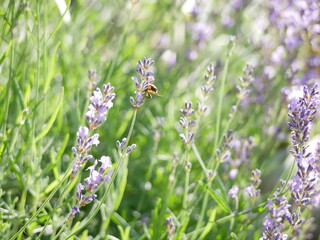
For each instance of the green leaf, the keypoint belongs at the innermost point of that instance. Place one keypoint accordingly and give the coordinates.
(217, 198)
(6, 53)
(52, 119)
(210, 224)
(51, 69)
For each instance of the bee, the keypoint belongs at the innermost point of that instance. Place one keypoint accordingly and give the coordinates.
(151, 89)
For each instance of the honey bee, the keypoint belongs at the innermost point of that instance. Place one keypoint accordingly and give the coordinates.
(151, 89)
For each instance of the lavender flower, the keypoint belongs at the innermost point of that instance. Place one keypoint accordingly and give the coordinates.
(91, 184)
(73, 212)
(253, 190)
(187, 123)
(302, 112)
(92, 75)
(100, 103)
(233, 192)
(146, 79)
(96, 177)
(278, 211)
(170, 228)
(245, 81)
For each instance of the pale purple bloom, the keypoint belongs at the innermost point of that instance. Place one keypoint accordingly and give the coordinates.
(100, 103)
(96, 177)
(105, 163)
(233, 173)
(253, 190)
(278, 212)
(187, 123)
(121, 144)
(84, 199)
(278, 55)
(146, 79)
(187, 139)
(130, 148)
(171, 228)
(233, 192)
(73, 212)
(201, 32)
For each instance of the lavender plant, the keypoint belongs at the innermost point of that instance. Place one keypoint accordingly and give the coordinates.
(215, 183)
(302, 115)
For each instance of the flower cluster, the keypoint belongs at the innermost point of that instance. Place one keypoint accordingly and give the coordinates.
(315, 199)
(253, 190)
(245, 81)
(295, 20)
(206, 89)
(233, 192)
(278, 211)
(91, 184)
(171, 228)
(100, 103)
(298, 25)
(302, 113)
(187, 123)
(241, 154)
(121, 145)
(146, 79)
(224, 154)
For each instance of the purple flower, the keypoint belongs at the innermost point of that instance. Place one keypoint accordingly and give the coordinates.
(96, 177)
(201, 32)
(187, 123)
(73, 212)
(255, 180)
(100, 103)
(278, 212)
(84, 199)
(302, 112)
(233, 192)
(146, 79)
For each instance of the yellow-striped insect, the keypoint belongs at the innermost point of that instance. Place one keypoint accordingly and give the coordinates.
(151, 89)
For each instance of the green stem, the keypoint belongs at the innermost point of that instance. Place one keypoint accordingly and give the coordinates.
(60, 231)
(288, 178)
(226, 128)
(104, 197)
(202, 213)
(186, 186)
(219, 110)
(196, 152)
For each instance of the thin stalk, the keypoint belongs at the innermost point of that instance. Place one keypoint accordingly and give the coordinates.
(202, 213)
(60, 231)
(219, 110)
(288, 178)
(226, 128)
(196, 152)
(104, 197)
(186, 186)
